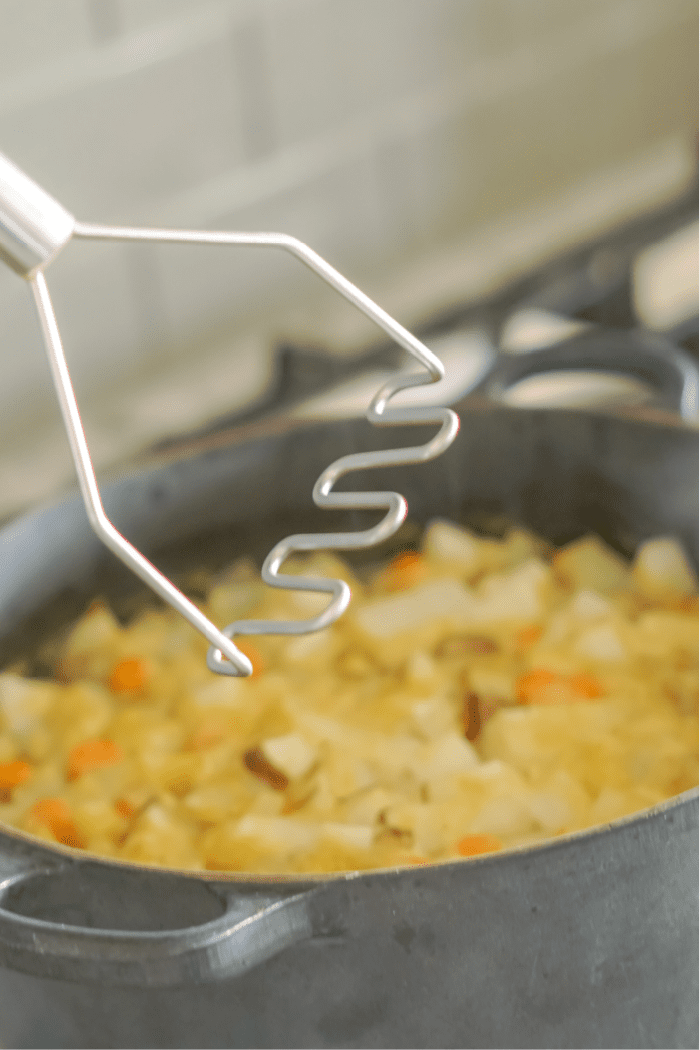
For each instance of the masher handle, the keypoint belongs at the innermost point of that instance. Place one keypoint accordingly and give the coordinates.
(33, 225)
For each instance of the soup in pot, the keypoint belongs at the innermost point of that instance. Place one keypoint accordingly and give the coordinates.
(478, 695)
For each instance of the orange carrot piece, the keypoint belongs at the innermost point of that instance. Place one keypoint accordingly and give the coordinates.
(586, 685)
(124, 808)
(56, 816)
(529, 687)
(12, 774)
(527, 637)
(545, 687)
(473, 845)
(49, 810)
(403, 571)
(253, 654)
(92, 754)
(128, 676)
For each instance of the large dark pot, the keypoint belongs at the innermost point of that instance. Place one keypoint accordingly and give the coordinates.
(588, 941)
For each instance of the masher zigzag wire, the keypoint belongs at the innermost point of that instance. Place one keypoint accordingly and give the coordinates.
(378, 413)
(323, 496)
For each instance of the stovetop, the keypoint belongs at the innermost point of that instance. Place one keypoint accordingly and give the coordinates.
(641, 277)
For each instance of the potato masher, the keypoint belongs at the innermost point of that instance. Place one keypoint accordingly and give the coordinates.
(34, 228)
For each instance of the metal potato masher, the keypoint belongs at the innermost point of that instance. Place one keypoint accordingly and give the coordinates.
(34, 228)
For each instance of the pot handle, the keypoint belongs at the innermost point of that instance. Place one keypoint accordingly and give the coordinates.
(671, 374)
(254, 927)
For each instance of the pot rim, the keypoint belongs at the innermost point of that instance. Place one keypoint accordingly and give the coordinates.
(308, 879)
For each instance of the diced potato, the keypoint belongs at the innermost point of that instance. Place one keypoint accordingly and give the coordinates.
(492, 683)
(661, 634)
(520, 546)
(434, 717)
(451, 546)
(397, 621)
(366, 807)
(283, 833)
(9, 747)
(97, 818)
(84, 710)
(587, 605)
(290, 753)
(234, 600)
(346, 773)
(504, 815)
(590, 564)
(661, 570)
(421, 670)
(39, 743)
(221, 692)
(518, 595)
(93, 642)
(448, 754)
(159, 837)
(602, 643)
(312, 649)
(24, 702)
(357, 836)
(217, 802)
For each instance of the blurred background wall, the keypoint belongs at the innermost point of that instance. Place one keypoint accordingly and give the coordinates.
(430, 149)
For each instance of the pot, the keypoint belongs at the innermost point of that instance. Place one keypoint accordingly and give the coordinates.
(589, 940)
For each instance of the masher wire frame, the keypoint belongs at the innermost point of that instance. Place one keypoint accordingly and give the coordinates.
(34, 228)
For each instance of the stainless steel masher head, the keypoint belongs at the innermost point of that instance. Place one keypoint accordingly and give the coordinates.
(34, 228)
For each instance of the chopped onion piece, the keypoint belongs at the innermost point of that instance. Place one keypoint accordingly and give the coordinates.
(280, 832)
(356, 836)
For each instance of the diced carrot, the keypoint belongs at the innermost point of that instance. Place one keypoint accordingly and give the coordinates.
(56, 816)
(124, 808)
(529, 687)
(472, 845)
(253, 654)
(545, 687)
(128, 676)
(527, 637)
(92, 754)
(586, 685)
(49, 810)
(12, 774)
(403, 571)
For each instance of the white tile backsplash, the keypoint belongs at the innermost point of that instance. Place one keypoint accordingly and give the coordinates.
(107, 146)
(332, 62)
(382, 132)
(33, 34)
